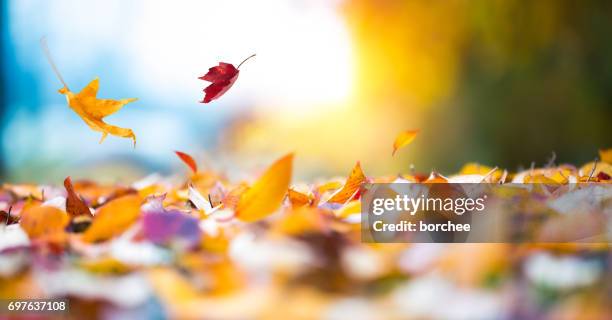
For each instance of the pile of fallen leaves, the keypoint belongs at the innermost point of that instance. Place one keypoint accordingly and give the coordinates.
(206, 247)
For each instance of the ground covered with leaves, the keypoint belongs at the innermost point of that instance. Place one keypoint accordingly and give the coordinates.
(202, 246)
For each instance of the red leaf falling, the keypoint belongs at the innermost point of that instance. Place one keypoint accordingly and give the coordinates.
(188, 160)
(222, 77)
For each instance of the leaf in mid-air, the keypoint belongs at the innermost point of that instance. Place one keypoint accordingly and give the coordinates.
(222, 77)
(188, 160)
(403, 139)
(91, 109)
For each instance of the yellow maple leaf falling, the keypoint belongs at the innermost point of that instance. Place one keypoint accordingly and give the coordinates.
(91, 109)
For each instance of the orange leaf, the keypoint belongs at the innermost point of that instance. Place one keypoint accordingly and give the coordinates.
(351, 187)
(42, 221)
(403, 139)
(75, 206)
(113, 218)
(266, 195)
(93, 110)
(188, 160)
(606, 155)
(298, 199)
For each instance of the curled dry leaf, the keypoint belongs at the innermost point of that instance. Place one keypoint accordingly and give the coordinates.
(403, 139)
(222, 77)
(350, 189)
(188, 160)
(113, 218)
(75, 206)
(266, 195)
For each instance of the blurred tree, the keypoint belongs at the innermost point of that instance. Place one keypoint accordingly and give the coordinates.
(501, 82)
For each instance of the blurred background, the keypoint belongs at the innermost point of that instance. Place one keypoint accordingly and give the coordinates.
(498, 82)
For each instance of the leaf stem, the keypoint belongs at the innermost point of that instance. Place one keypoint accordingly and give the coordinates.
(243, 61)
(45, 48)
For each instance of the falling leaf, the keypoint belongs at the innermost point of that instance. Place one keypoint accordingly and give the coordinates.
(113, 218)
(222, 77)
(266, 195)
(188, 160)
(91, 109)
(43, 221)
(606, 155)
(351, 187)
(403, 139)
(75, 206)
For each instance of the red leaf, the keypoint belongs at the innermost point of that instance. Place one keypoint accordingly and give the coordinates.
(188, 160)
(222, 77)
(75, 206)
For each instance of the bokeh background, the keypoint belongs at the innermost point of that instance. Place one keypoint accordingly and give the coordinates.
(502, 83)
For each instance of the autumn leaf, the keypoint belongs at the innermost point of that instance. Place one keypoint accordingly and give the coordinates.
(188, 160)
(351, 187)
(113, 218)
(605, 155)
(91, 109)
(298, 199)
(222, 77)
(403, 139)
(75, 206)
(266, 195)
(43, 221)
(171, 227)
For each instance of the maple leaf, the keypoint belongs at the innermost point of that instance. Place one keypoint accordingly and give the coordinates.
(403, 139)
(91, 109)
(222, 77)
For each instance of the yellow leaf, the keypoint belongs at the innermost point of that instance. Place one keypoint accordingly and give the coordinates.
(351, 208)
(351, 187)
(113, 218)
(266, 195)
(606, 155)
(403, 139)
(42, 221)
(93, 110)
(300, 221)
(599, 167)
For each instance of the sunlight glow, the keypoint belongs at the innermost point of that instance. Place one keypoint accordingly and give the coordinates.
(176, 44)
